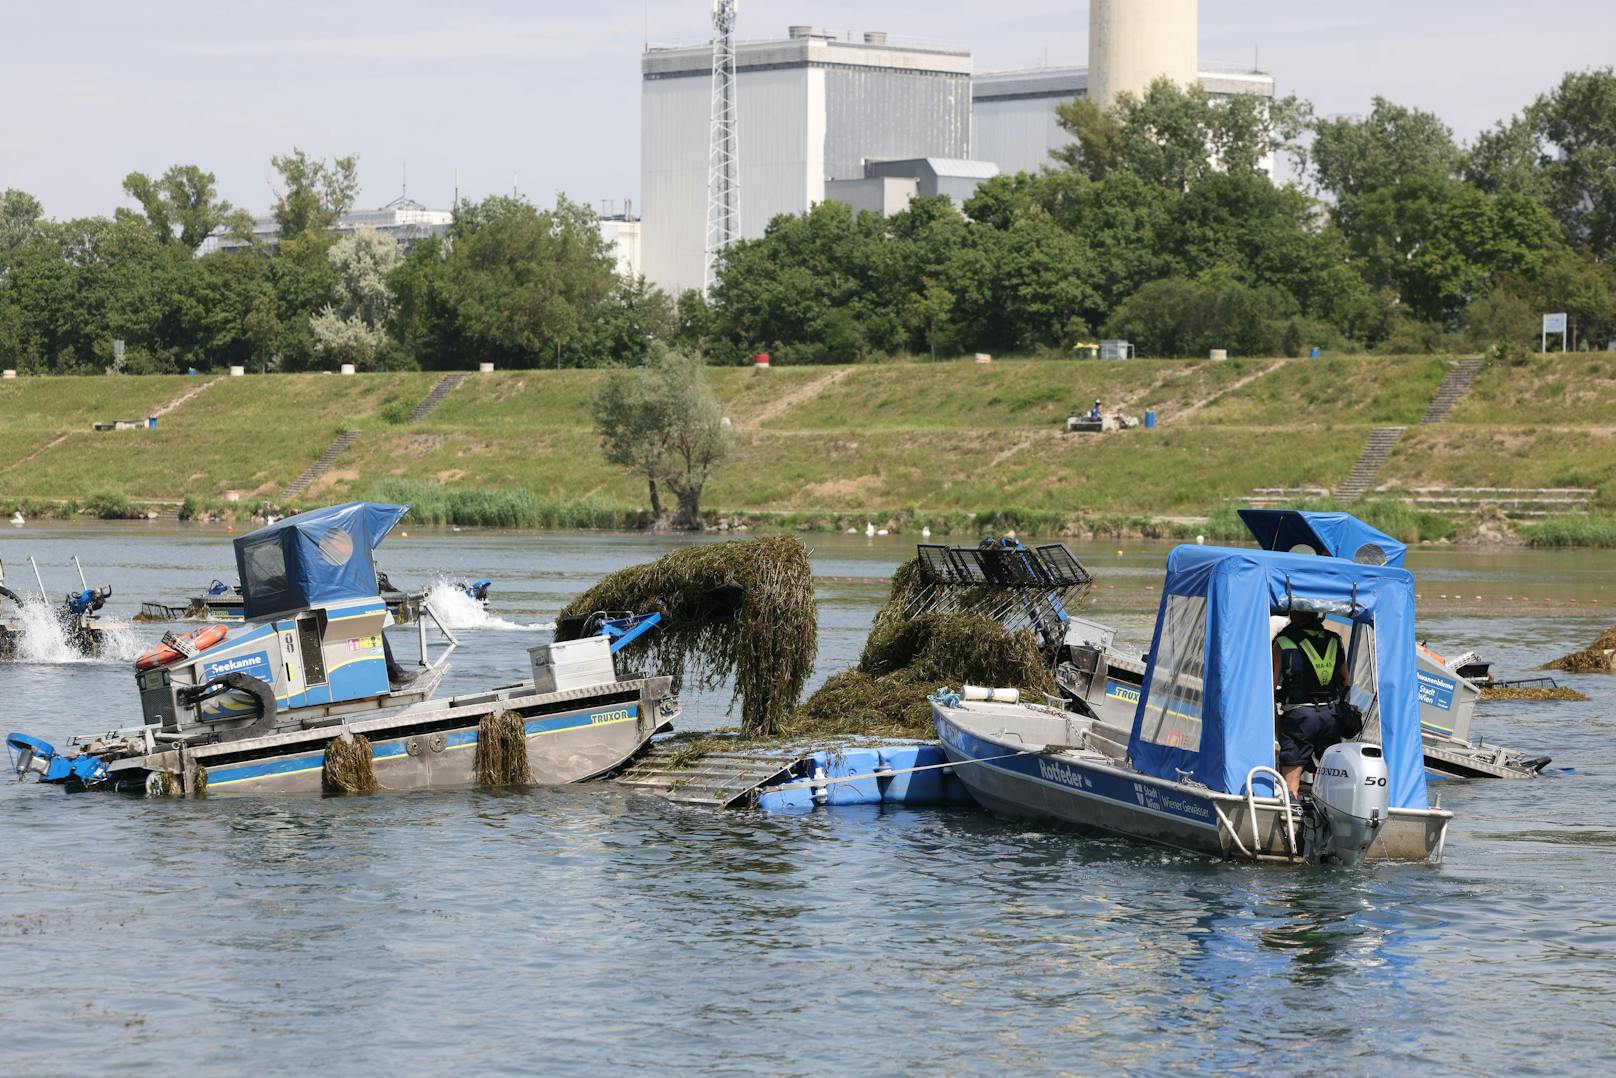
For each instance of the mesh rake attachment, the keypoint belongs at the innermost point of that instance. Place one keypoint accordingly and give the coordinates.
(1018, 586)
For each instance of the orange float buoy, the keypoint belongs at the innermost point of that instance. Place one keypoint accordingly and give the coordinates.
(163, 654)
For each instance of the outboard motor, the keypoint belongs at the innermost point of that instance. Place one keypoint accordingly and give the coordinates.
(1351, 802)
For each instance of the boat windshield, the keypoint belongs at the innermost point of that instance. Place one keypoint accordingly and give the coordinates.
(1172, 716)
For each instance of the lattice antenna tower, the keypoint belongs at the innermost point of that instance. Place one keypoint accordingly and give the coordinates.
(723, 160)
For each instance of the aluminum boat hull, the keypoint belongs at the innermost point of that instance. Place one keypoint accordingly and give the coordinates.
(1037, 764)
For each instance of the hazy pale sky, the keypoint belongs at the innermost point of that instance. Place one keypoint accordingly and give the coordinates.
(548, 92)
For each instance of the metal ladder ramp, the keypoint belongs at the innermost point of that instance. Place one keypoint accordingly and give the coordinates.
(1379, 448)
(717, 779)
(318, 468)
(446, 385)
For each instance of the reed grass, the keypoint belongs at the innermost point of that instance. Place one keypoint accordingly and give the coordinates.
(433, 504)
(1598, 531)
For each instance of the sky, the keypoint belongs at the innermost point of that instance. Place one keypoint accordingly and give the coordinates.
(543, 96)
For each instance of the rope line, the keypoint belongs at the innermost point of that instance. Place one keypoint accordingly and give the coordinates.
(816, 784)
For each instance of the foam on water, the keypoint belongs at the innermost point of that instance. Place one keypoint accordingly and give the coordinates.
(42, 639)
(457, 610)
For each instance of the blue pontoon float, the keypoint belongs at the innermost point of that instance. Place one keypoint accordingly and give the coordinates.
(1196, 768)
(252, 708)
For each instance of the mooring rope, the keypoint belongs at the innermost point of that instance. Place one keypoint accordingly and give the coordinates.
(815, 784)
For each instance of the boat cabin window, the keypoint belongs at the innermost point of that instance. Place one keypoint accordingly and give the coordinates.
(1365, 672)
(310, 634)
(1371, 554)
(1173, 708)
(265, 563)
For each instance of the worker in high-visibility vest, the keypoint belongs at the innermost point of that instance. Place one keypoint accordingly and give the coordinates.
(1311, 686)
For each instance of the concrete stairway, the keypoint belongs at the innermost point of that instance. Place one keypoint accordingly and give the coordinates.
(1454, 388)
(318, 468)
(446, 385)
(1382, 441)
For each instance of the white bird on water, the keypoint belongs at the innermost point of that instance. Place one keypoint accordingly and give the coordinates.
(16, 518)
(925, 533)
(869, 530)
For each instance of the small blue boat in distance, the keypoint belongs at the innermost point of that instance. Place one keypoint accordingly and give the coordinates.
(252, 708)
(1197, 770)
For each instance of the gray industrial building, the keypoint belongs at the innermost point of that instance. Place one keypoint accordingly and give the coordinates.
(814, 109)
(889, 186)
(1014, 119)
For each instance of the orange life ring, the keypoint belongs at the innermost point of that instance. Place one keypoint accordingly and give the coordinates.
(161, 654)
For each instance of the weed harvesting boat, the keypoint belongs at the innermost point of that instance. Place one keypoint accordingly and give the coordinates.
(304, 696)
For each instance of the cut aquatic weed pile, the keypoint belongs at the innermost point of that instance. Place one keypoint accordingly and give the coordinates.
(767, 642)
(1530, 692)
(1598, 658)
(908, 657)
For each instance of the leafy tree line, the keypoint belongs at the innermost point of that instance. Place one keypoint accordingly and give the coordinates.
(509, 283)
(1159, 223)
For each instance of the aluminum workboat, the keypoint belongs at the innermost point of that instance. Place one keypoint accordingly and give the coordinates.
(1195, 769)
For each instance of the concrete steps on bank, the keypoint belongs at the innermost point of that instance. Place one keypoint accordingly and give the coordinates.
(1362, 478)
(446, 385)
(1454, 388)
(319, 467)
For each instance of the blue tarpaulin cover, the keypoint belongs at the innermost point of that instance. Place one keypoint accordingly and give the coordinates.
(317, 557)
(1219, 701)
(1333, 535)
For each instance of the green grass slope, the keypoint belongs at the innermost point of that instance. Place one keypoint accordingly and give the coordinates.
(935, 441)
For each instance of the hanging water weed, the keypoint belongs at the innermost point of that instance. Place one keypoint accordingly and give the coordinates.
(743, 609)
(501, 757)
(349, 768)
(909, 656)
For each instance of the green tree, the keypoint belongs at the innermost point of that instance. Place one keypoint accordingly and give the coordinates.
(1353, 156)
(313, 192)
(353, 327)
(633, 318)
(1173, 137)
(20, 215)
(663, 424)
(1579, 118)
(526, 285)
(182, 206)
(1437, 243)
(1179, 317)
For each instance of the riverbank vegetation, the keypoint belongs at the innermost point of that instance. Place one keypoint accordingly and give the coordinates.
(1158, 222)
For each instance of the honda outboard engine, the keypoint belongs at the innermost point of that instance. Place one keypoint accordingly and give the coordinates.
(1351, 802)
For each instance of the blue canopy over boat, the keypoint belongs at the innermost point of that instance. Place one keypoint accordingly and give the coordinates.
(1332, 535)
(1207, 706)
(321, 556)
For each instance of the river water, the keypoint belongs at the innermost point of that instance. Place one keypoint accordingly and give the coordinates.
(582, 929)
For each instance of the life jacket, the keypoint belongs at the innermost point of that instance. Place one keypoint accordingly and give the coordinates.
(1307, 665)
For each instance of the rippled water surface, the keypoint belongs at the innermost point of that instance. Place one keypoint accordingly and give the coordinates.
(584, 930)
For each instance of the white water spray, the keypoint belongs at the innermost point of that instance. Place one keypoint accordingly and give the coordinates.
(457, 610)
(41, 638)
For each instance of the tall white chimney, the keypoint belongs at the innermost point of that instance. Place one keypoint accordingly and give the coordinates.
(1132, 43)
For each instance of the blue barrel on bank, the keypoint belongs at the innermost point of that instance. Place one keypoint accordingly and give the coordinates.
(1314, 354)
(1150, 419)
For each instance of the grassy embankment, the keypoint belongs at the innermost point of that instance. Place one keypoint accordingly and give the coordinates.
(952, 446)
